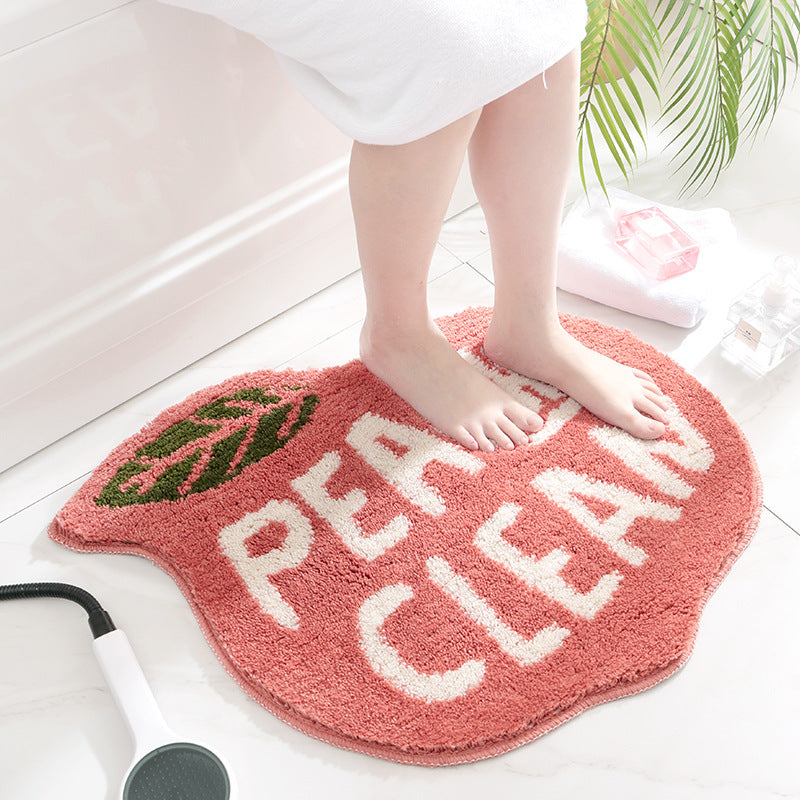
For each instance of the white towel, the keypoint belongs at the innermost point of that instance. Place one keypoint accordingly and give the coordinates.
(393, 71)
(590, 263)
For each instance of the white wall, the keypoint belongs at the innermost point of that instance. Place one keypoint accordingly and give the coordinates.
(163, 189)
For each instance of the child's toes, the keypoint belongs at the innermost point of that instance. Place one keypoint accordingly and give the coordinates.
(651, 409)
(644, 376)
(513, 431)
(479, 435)
(644, 427)
(525, 419)
(661, 400)
(497, 435)
(465, 438)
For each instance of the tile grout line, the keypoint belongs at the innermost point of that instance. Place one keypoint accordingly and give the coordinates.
(285, 362)
(61, 488)
(68, 27)
(781, 520)
(479, 273)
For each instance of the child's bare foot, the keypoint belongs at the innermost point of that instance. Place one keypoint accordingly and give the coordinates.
(428, 373)
(620, 395)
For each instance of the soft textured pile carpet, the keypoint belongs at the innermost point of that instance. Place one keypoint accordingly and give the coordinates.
(379, 587)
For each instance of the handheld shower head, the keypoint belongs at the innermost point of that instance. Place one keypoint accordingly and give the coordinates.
(164, 766)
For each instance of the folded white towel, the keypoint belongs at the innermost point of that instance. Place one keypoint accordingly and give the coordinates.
(592, 265)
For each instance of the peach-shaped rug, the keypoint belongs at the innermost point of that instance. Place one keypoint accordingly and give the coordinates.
(381, 588)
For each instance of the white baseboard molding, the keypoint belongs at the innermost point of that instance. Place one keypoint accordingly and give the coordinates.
(63, 369)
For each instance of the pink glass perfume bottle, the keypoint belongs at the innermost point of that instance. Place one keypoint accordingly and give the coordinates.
(656, 243)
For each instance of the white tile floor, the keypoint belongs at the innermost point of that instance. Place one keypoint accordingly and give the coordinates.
(725, 727)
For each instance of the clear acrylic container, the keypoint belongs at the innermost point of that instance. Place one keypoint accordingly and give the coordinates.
(763, 324)
(656, 243)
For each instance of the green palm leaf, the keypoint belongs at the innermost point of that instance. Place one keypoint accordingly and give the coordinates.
(775, 25)
(621, 36)
(729, 61)
(707, 98)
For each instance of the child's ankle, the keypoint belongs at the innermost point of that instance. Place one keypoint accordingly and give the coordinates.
(506, 325)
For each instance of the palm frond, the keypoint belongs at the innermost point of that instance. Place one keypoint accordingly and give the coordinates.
(621, 36)
(706, 100)
(728, 60)
(768, 36)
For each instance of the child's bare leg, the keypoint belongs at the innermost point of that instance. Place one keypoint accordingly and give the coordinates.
(520, 157)
(399, 196)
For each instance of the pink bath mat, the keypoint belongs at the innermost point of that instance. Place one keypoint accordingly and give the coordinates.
(379, 587)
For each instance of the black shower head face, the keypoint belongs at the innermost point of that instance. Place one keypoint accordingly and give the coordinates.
(178, 771)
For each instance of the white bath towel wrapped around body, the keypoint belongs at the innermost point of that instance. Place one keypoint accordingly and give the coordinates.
(391, 71)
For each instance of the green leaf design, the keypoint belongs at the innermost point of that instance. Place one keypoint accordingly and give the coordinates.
(175, 437)
(219, 408)
(222, 466)
(217, 470)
